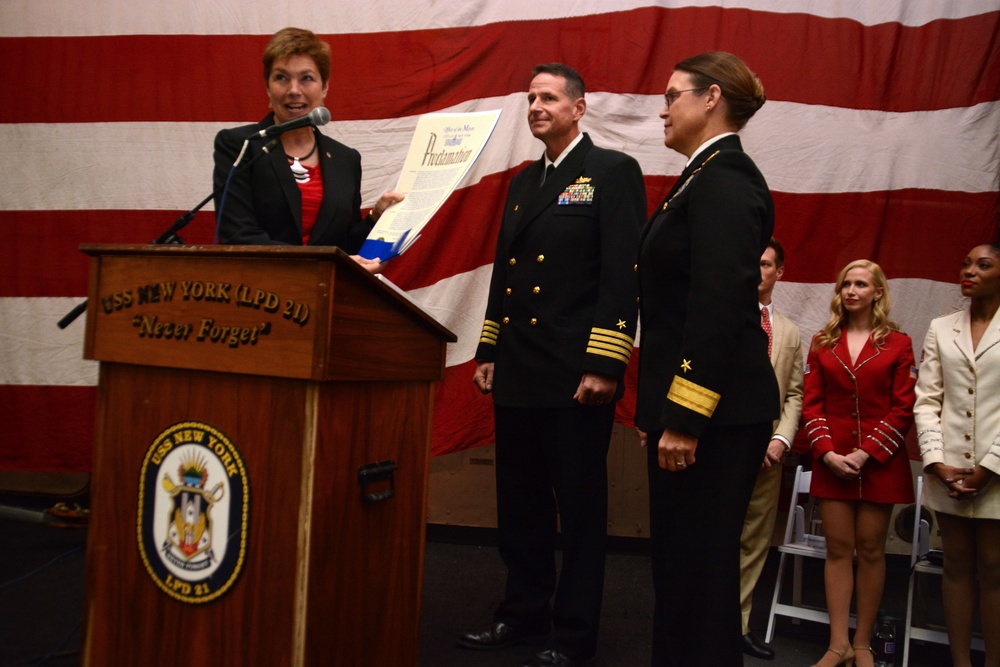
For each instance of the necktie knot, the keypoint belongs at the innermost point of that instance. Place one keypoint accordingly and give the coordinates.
(548, 172)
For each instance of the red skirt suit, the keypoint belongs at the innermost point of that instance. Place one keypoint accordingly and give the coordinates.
(867, 404)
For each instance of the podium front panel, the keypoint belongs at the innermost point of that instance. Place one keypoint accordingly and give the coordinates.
(314, 382)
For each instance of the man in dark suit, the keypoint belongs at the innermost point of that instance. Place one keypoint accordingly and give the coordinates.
(559, 331)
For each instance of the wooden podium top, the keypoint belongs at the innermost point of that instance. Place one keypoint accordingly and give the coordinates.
(298, 312)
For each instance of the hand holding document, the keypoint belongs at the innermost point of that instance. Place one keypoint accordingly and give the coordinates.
(443, 149)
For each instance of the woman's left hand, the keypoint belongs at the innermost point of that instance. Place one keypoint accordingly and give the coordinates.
(953, 479)
(979, 478)
(372, 265)
(385, 201)
(841, 466)
(676, 450)
(859, 457)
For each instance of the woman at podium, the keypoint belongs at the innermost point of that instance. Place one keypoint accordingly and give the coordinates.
(306, 190)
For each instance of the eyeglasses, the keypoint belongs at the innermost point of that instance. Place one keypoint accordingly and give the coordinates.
(672, 96)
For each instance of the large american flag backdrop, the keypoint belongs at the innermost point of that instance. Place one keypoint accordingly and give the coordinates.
(879, 139)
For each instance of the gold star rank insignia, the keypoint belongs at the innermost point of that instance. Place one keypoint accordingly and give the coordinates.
(686, 365)
(621, 324)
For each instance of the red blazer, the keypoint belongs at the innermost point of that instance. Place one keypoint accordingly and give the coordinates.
(868, 405)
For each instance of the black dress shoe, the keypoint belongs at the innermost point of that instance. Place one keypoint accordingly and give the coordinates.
(500, 635)
(552, 658)
(751, 646)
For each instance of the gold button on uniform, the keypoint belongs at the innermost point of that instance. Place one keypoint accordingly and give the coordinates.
(508, 291)
(540, 259)
(506, 320)
(534, 321)
(536, 289)
(512, 261)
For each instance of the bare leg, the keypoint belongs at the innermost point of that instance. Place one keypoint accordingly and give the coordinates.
(958, 584)
(838, 526)
(988, 566)
(872, 524)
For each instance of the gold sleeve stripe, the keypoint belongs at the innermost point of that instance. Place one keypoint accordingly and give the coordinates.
(616, 345)
(693, 396)
(614, 354)
(597, 332)
(611, 344)
(491, 331)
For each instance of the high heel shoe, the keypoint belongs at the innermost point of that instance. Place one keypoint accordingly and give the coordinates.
(844, 657)
(863, 648)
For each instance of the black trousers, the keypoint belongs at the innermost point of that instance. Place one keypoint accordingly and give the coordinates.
(549, 463)
(696, 519)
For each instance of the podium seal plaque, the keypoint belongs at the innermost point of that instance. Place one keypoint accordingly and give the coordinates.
(193, 503)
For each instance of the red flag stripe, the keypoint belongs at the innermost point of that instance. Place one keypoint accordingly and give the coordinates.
(47, 428)
(894, 228)
(803, 58)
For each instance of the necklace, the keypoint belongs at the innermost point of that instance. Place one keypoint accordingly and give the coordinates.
(300, 173)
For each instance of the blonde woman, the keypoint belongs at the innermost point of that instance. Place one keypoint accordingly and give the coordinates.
(858, 406)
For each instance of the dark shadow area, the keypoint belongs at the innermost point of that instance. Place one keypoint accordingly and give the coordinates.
(42, 589)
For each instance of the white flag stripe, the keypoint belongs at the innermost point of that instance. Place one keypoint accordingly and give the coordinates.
(34, 351)
(800, 148)
(26, 18)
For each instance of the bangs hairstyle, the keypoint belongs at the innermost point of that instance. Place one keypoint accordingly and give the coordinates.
(289, 42)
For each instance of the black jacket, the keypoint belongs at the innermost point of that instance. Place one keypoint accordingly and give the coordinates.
(703, 355)
(264, 205)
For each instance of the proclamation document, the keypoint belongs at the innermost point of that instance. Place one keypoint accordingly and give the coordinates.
(443, 149)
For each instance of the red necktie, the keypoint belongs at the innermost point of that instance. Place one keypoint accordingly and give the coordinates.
(765, 323)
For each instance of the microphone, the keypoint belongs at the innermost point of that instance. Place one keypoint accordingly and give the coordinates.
(318, 116)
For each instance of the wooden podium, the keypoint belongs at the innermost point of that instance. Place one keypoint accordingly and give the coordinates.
(260, 465)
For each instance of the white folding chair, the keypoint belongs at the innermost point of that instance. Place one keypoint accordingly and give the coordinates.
(919, 564)
(797, 543)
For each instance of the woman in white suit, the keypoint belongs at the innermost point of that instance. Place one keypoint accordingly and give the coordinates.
(958, 421)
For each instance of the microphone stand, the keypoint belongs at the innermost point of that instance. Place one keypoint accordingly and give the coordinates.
(169, 236)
